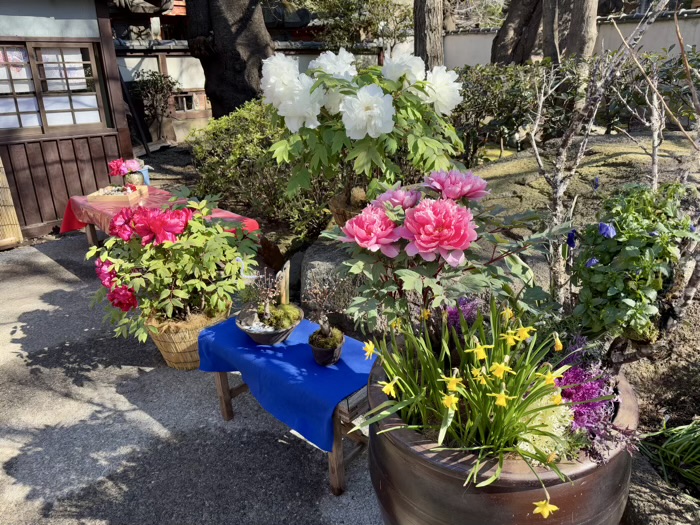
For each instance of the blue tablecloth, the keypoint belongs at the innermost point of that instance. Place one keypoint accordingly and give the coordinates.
(285, 379)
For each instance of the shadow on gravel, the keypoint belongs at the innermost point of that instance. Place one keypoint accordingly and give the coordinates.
(85, 346)
(198, 477)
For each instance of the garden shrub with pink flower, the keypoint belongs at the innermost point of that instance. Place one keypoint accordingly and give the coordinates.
(411, 245)
(169, 264)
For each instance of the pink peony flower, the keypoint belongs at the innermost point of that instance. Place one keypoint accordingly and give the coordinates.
(117, 168)
(398, 197)
(457, 185)
(133, 165)
(156, 226)
(123, 297)
(439, 227)
(104, 272)
(120, 226)
(373, 230)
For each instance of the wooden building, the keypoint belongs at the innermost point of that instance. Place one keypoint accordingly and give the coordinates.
(62, 115)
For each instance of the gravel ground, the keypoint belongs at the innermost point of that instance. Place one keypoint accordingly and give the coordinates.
(95, 430)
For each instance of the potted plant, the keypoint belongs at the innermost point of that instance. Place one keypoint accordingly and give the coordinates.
(493, 426)
(326, 342)
(263, 318)
(354, 127)
(169, 273)
(134, 171)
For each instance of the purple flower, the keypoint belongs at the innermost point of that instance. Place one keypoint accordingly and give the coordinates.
(654, 234)
(571, 239)
(592, 262)
(586, 385)
(692, 228)
(469, 310)
(607, 230)
(596, 183)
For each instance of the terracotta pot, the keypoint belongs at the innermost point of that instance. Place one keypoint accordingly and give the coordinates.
(268, 338)
(418, 487)
(326, 357)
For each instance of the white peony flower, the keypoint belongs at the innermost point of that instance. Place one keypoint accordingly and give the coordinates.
(333, 101)
(340, 65)
(280, 77)
(302, 107)
(442, 90)
(369, 112)
(411, 66)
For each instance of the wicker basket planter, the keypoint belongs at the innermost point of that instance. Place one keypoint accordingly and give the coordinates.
(177, 340)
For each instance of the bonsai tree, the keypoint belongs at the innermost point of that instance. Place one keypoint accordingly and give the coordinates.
(323, 297)
(264, 313)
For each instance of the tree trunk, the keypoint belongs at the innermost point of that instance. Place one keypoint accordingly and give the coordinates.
(230, 39)
(581, 41)
(550, 30)
(516, 38)
(428, 39)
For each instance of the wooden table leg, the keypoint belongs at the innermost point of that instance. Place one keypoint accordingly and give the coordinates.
(91, 234)
(336, 465)
(224, 392)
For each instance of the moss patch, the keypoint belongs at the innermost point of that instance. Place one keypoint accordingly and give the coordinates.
(329, 343)
(282, 316)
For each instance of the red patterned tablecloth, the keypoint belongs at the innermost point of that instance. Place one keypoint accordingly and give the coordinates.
(80, 212)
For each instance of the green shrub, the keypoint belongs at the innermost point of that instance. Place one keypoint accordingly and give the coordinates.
(233, 160)
(625, 272)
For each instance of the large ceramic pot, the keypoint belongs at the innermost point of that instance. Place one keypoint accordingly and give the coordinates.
(418, 487)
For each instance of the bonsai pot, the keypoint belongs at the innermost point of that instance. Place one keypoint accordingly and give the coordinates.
(177, 340)
(326, 357)
(266, 338)
(417, 486)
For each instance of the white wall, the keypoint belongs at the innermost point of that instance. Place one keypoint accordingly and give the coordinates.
(48, 18)
(463, 49)
(128, 66)
(467, 49)
(661, 35)
(187, 71)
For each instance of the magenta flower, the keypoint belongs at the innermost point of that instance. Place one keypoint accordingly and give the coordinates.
(457, 185)
(104, 272)
(117, 168)
(439, 227)
(157, 226)
(398, 197)
(123, 297)
(132, 165)
(373, 231)
(120, 226)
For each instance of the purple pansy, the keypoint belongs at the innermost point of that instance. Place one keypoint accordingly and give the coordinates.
(607, 230)
(571, 239)
(596, 183)
(468, 308)
(592, 262)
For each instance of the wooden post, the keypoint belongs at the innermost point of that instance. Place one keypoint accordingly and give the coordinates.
(284, 283)
(336, 465)
(10, 231)
(91, 233)
(224, 392)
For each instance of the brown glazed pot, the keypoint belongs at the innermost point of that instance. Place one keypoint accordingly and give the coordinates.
(418, 487)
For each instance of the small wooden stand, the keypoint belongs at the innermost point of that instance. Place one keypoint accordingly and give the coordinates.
(346, 411)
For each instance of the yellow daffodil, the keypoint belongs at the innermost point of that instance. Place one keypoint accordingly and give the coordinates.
(369, 350)
(478, 375)
(500, 369)
(480, 350)
(425, 315)
(552, 458)
(549, 377)
(523, 333)
(507, 314)
(453, 383)
(557, 400)
(389, 388)
(501, 399)
(396, 325)
(558, 347)
(545, 508)
(449, 401)
(510, 338)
